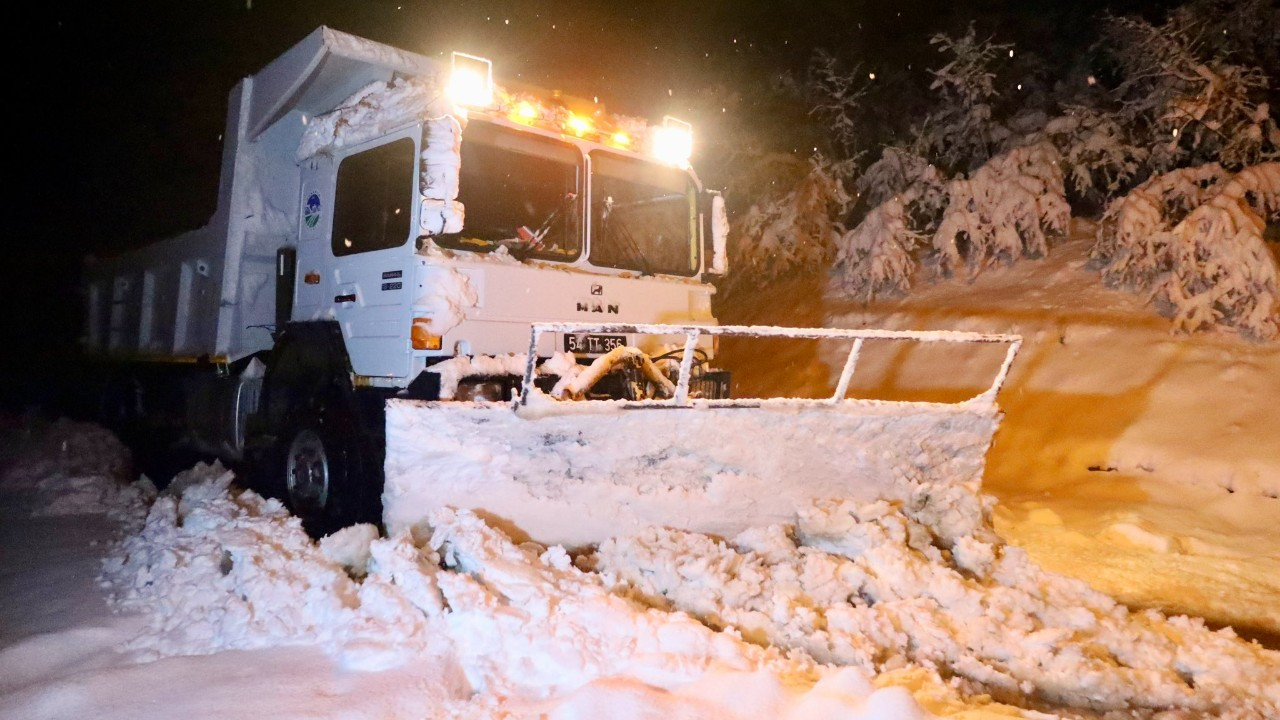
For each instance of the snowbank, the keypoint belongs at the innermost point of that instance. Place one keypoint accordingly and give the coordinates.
(866, 586)
(860, 609)
(1100, 382)
(1108, 420)
(528, 633)
(77, 469)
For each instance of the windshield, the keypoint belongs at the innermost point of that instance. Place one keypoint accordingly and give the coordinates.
(518, 190)
(643, 216)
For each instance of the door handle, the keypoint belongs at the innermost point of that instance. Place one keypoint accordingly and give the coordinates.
(351, 297)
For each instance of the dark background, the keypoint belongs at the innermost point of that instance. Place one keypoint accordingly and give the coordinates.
(120, 107)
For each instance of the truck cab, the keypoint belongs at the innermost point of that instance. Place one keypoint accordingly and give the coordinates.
(450, 235)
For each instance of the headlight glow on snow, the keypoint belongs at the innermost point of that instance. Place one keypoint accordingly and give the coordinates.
(471, 80)
(673, 142)
(525, 112)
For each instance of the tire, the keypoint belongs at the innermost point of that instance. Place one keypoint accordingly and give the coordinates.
(315, 442)
(320, 465)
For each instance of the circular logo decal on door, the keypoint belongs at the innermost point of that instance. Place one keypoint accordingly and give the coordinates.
(311, 212)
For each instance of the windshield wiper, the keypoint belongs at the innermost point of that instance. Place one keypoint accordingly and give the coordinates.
(620, 230)
(649, 201)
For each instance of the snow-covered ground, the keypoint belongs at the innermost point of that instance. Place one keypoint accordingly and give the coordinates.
(1143, 463)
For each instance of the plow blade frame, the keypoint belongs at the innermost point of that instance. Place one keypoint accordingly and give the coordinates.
(576, 473)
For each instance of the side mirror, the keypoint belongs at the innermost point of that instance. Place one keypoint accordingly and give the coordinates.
(714, 231)
(718, 226)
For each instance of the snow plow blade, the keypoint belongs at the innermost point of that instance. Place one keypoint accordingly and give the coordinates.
(577, 473)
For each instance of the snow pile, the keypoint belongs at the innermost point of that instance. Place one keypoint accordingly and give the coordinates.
(528, 633)
(459, 367)
(528, 626)
(215, 570)
(77, 469)
(448, 296)
(864, 585)
(1193, 238)
(860, 610)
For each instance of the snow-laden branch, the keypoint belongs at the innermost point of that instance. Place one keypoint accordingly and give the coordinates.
(1193, 238)
(1196, 98)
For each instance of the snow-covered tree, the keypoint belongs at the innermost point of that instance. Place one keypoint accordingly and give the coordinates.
(796, 230)
(1004, 211)
(1098, 155)
(835, 97)
(963, 132)
(879, 255)
(1193, 238)
(1194, 99)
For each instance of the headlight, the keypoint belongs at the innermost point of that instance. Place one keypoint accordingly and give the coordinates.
(471, 80)
(673, 142)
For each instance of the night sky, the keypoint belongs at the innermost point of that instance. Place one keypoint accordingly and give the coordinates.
(120, 106)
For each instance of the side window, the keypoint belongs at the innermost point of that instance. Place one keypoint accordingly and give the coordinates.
(373, 206)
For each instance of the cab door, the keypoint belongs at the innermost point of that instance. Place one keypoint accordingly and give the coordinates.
(361, 250)
(315, 223)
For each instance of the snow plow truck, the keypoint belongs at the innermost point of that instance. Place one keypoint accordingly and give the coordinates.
(420, 288)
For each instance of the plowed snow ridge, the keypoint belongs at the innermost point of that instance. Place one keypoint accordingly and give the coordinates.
(858, 609)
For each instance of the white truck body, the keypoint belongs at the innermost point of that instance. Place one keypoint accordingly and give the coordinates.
(210, 295)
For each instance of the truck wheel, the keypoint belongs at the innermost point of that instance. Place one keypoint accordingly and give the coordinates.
(321, 474)
(306, 473)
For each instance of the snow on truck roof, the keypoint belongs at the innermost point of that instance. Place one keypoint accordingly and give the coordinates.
(322, 71)
(358, 89)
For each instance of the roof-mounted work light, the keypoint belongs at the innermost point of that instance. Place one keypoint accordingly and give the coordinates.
(673, 142)
(471, 80)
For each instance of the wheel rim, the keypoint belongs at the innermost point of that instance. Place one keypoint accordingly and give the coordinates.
(307, 472)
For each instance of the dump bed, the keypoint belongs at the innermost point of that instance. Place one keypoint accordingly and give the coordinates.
(210, 293)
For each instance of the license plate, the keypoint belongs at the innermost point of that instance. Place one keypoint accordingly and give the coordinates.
(591, 343)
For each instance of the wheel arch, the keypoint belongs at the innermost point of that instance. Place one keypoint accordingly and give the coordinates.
(309, 360)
